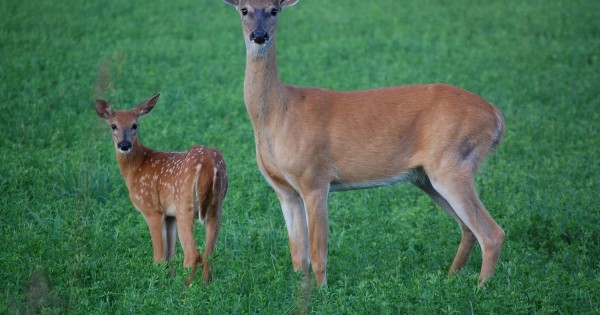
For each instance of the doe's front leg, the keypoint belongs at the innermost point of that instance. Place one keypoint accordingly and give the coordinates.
(294, 214)
(318, 223)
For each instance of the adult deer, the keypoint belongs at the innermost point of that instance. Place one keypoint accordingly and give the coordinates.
(170, 189)
(310, 141)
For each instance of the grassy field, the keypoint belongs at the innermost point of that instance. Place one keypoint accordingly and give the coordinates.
(71, 242)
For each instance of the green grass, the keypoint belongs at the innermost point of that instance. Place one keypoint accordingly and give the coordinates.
(71, 242)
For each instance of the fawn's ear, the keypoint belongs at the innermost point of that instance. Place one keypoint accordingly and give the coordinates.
(147, 105)
(103, 109)
(232, 2)
(288, 3)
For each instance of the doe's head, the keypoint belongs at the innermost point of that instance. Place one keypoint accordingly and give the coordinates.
(124, 123)
(259, 21)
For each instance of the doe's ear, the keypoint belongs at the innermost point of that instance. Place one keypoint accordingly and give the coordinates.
(288, 3)
(103, 109)
(232, 2)
(146, 106)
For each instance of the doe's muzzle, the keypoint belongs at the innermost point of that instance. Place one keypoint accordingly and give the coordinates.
(259, 36)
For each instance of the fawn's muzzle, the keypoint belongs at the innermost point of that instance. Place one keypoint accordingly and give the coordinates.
(124, 146)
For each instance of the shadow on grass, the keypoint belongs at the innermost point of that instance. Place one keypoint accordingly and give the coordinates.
(40, 298)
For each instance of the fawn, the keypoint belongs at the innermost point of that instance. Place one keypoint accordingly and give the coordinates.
(170, 189)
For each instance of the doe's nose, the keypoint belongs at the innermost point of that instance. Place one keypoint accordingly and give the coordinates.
(259, 36)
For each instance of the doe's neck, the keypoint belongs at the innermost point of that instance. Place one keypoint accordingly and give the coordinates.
(263, 90)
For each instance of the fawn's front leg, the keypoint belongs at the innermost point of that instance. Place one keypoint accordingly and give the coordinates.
(155, 225)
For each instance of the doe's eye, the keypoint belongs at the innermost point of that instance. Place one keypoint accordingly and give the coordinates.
(244, 11)
(113, 127)
(274, 12)
(134, 127)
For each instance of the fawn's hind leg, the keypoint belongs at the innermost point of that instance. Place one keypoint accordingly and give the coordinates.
(185, 229)
(170, 237)
(213, 226)
(170, 241)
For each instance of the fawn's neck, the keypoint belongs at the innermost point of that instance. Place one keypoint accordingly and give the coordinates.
(129, 163)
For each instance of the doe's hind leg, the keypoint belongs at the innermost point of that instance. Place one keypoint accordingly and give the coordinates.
(459, 192)
(467, 239)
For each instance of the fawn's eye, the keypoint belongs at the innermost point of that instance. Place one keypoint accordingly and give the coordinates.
(274, 12)
(113, 127)
(134, 127)
(244, 11)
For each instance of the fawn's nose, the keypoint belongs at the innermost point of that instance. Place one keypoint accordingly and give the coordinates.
(124, 146)
(259, 36)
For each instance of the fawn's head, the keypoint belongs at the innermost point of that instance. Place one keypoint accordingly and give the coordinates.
(124, 123)
(259, 21)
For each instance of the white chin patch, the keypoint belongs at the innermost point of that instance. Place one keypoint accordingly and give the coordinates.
(124, 151)
(254, 49)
